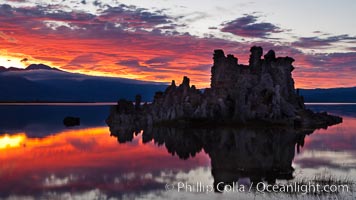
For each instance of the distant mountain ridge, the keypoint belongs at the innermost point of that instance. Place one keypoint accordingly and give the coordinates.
(40, 66)
(39, 82)
(330, 95)
(30, 67)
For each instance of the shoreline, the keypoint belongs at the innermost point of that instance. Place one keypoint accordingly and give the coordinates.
(57, 103)
(115, 103)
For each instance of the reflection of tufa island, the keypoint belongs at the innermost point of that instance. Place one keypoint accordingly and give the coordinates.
(261, 92)
(263, 154)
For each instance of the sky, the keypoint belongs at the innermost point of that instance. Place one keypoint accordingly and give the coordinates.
(162, 40)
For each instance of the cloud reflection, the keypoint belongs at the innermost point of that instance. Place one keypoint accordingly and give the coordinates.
(86, 160)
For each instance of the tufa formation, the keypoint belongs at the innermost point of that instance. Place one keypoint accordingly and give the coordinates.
(259, 93)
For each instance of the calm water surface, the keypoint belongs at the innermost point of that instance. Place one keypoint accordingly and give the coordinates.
(42, 159)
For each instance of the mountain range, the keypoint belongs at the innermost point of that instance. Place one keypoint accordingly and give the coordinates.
(41, 83)
(338, 95)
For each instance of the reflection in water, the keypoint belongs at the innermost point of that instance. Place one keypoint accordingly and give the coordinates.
(82, 161)
(10, 141)
(42, 120)
(263, 154)
(86, 163)
(334, 148)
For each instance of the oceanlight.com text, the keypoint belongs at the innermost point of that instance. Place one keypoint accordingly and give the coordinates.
(260, 187)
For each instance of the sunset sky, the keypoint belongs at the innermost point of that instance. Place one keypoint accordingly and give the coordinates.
(161, 40)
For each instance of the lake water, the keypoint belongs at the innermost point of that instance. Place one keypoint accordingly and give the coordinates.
(42, 159)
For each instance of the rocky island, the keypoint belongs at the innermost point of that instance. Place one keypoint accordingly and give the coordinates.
(261, 93)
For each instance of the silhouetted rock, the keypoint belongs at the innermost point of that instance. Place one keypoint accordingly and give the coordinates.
(270, 56)
(71, 121)
(255, 56)
(138, 99)
(262, 92)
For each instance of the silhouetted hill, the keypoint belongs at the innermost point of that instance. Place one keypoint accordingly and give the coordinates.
(40, 66)
(329, 95)
(43, 83)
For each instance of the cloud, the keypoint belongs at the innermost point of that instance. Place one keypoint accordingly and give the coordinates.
(335, 60)
(130, 63)
(195, 16)
(135, 18)
(37, 18)
(203, 67)
(325, 70)
(5, 9)
(247, 26)
(51, 59)
(159, 61)
(318, 42)
(134, 64)
(7, 37)
(82, 60)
